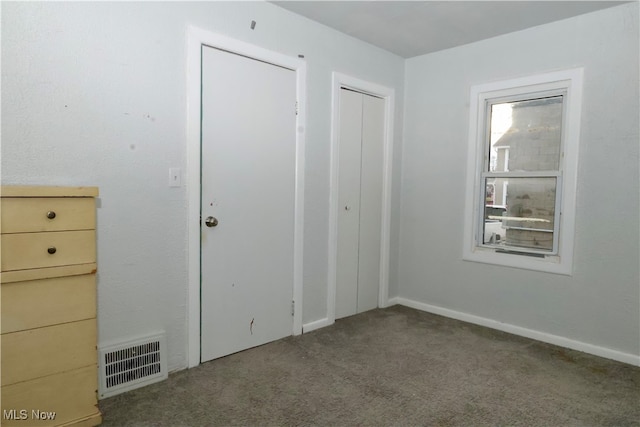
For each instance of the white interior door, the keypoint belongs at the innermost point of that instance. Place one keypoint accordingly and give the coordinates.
(360, 202)
(248, 186)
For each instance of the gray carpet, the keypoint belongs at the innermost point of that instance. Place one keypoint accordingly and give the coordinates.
(391, 367)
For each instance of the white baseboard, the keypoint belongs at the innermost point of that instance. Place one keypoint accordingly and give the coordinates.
(316, 324)
(608, 353)
(393, 301)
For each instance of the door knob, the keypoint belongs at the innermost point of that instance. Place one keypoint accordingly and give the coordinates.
(211, 221)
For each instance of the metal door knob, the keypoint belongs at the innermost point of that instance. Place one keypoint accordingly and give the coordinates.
(51, 214)
(211, 221)
(51, 250)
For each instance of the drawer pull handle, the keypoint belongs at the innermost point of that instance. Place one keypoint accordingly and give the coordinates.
(51, 214)
(52, 250)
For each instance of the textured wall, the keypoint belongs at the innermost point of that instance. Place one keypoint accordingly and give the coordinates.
(94, 94)
(599, 304)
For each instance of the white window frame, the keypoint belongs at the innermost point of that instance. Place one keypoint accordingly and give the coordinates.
(560, 260)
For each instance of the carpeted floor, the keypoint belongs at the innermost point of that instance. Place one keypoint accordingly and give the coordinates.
(391, 367)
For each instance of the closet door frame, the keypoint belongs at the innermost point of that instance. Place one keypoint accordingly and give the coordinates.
(340, 81)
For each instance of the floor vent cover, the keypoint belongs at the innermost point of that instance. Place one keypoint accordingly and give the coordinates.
(132, 364)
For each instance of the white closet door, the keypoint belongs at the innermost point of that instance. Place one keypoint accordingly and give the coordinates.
(370, 203)
(349, 202)
(360, 202)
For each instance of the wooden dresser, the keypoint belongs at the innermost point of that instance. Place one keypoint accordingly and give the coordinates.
(48, 351)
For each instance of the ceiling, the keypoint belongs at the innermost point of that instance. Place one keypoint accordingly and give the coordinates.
(412, 28)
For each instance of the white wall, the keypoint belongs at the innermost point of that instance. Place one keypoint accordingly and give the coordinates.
(600, 304)
(94, 94)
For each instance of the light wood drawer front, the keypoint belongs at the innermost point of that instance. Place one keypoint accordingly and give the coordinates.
(30, 250)
(71, 395)
(21, 215)
(90, 421)
(37, 303)
(35, 353)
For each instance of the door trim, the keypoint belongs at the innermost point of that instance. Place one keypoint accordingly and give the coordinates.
(339, 81)
(196, 38)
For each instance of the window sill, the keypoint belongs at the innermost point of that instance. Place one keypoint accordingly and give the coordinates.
(548, 264)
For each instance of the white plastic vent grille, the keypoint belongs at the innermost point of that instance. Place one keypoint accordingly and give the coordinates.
(132, 364)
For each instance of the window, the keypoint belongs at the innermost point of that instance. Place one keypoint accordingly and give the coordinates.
(521, 187)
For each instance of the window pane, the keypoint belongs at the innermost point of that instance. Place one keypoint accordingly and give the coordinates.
(525, 135)
(493, 230)
(527, 219)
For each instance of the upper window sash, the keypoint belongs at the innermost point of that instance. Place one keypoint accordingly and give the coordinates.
(539, 93)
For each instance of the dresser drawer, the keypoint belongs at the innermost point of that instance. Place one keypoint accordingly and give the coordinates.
(35, 353)
(36, 303)
(22, 215)
(71, 395)
(32, 250)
